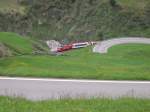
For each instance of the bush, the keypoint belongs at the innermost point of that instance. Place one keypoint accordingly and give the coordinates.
(113, 3)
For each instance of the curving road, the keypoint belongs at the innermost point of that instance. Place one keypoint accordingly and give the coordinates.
(40, 89)
(102, 47)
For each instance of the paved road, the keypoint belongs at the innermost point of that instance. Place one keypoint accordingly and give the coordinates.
(40, 89)
(102, 47)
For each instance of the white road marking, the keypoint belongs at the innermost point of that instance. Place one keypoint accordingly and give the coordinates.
(72, 80)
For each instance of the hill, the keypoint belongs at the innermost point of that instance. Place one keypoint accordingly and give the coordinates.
(16, 44)
(74, 20)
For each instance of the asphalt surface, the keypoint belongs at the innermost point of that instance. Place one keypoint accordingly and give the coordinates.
(41, 89)
(102, 47)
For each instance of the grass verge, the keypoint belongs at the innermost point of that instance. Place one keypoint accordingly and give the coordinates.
(81, 105)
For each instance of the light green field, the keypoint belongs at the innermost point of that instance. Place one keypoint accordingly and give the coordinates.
(20, 45)
(16, 42)
(81, 105)
(123, 62)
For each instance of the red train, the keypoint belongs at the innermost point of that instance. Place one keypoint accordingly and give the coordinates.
(74, 46)
(57, 47)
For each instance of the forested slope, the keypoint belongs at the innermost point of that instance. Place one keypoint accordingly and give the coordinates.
(73, 20)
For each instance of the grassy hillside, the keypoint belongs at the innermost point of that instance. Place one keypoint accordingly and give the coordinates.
(76, 20)
(80, 105)
(20, 45)
(123, 62)
(16, 43)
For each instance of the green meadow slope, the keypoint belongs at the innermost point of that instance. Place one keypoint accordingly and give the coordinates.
(123, 62)
(17, 44)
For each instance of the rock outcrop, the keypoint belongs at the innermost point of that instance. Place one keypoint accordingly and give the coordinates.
(4, 51)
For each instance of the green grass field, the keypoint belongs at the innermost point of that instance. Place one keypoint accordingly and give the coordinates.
(80, 105)
(16, 43)
(123, 62)
(21, 45)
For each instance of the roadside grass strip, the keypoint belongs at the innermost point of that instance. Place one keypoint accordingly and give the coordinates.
(8, 104)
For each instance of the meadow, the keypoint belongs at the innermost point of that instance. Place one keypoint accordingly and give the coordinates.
(122, 62)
